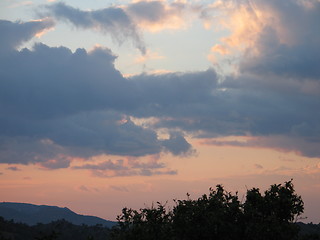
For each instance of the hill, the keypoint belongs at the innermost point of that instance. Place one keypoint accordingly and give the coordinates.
(31, 214)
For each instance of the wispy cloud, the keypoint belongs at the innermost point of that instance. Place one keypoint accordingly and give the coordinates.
(121, 168)
(113, 21)
(20, 4)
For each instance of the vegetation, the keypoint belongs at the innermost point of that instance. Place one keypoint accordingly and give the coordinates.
(57, 230)
(219, 215)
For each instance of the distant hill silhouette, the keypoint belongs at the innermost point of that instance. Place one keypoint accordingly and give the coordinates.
(31, 214)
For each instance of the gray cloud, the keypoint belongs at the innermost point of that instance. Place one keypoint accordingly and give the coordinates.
(120, 169)
(106, 165)
(57, 104)
(56, 163)
(174, 93)
(13, 168)
(302, 146)
(293, 52)
(119, 188)
(113, 20)
(156, 12)
(57, 77)
(62, 104)
(13, 34)
(178, 145)
(25, 150)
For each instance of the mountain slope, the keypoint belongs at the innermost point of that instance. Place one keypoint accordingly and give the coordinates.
(32, 214)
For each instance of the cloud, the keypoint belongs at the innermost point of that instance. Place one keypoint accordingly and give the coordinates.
(121, 168)
(83, 188)
(106, 165)
(13, 168)
(127, 22)
(300, 146)
(178, 145)
(113, 20)
(287, 48)
(63, 104)
(13, 34)
(258, 166)
(57, 105)
(240, 105)
(20, 4)
(119, 188)
(56, 163)
(172, 93)
(271, 39)
(26, 150)
(159, 15)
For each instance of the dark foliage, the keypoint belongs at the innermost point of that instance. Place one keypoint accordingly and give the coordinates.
(57, 230)
(219, 215)
(309, 231)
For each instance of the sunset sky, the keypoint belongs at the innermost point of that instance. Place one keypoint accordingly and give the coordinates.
(112, 104)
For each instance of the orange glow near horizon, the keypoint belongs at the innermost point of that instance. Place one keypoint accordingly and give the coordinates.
(237, 168)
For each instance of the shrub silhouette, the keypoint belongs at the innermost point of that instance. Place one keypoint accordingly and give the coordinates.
(219, 215)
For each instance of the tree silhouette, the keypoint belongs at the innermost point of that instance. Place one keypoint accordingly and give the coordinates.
(219, 215)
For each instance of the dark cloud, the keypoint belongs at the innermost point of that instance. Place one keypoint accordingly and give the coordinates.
(25, 150)
(290, 47)
(13, 34)
(57, 104)
(61, 104)
(178, 145)
(113, 21)
(56, 78)
(56, 163)
(175, 93)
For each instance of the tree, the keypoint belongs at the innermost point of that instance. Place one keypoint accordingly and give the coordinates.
(219, 215)
(271, 216)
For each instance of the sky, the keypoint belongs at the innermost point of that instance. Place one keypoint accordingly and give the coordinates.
(112, 104)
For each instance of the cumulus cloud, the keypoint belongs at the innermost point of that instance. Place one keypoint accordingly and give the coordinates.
(289, 47)
(274, 38)
(63, 104)
(113, 20)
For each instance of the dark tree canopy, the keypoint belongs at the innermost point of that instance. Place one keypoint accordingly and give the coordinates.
(219, 215)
